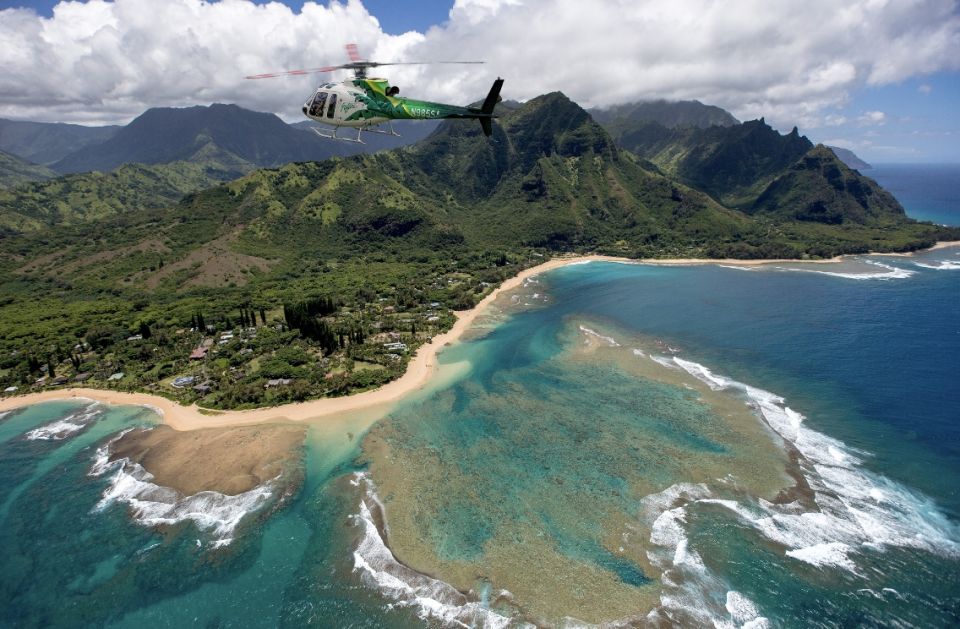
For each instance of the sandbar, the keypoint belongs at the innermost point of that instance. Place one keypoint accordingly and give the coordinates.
(226, 460)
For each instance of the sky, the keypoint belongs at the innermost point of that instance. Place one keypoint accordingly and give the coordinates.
(881, 77)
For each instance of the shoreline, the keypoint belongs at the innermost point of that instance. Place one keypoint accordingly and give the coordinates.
(419, 371)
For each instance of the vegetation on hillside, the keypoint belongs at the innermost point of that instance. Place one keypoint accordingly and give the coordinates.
(15, 171)
(321, 278)
(91, 196)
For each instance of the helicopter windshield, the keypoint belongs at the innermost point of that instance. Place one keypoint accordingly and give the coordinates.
(316, 107)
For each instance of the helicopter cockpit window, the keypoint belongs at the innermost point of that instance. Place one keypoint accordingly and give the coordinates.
(316, 107)
(332, 106)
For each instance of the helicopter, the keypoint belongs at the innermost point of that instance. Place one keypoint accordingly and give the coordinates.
(363, 102)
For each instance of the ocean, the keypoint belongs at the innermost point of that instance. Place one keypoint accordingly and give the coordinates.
(927, 191)
(735, 446)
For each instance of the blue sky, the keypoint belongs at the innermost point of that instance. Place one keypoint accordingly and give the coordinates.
(882, 79)
(398, 17)
(920, 122)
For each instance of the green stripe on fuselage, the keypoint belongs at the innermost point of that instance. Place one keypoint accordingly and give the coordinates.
(378, 104)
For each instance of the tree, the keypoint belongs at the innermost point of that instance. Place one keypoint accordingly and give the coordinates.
(303, 316)
(103, 336)
(50, 369)
(263, 315)
(144, 330)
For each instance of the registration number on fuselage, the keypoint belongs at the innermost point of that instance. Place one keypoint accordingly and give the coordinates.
(425, 112)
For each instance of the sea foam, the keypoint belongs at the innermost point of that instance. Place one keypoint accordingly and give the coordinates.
(891, 273)
(433, 599)
(609, 340)
(691, 594)
(66, 427)
(941, 265)
(858, 508)
(154, 505)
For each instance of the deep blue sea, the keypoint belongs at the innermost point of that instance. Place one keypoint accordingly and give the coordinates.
(708, 445)
(927, 191)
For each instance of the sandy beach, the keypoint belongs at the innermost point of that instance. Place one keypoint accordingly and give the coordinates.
(418, 373)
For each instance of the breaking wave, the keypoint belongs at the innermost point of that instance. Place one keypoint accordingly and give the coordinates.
(692, 595)
(891, 273)
(433, 599)
(153, 505)
(856, 509)
(66, 427)
(609, 340)
(941, 265)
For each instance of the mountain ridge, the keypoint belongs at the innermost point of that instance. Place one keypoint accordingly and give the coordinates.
(670, 114)
(229, 132)
(47, 142)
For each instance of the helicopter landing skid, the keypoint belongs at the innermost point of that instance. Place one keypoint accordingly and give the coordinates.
(333, 134)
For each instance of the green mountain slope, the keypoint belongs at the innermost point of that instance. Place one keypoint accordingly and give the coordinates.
(226, 134)
(551, 177)
(734, 164)
(821, 188)
(555, 179)
(15, 171)
(47, 142)
(87, 197)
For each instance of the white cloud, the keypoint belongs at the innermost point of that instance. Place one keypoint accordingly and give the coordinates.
(787, 61)
(925, 88)
(872, 118)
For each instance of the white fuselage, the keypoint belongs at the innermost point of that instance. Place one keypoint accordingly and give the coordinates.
(334, 103)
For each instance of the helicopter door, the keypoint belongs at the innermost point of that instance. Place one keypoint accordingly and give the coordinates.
(316, 107)
(332, 106)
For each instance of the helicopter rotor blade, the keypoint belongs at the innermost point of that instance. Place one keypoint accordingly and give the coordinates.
(271, 75)
(417, 63)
